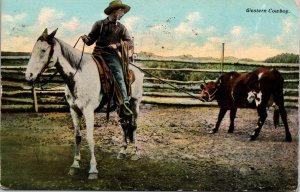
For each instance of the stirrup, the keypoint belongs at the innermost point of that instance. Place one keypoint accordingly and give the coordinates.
(125, 111)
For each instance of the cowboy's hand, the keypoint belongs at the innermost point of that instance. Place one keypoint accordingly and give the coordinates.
(113, 46)
(85, 38)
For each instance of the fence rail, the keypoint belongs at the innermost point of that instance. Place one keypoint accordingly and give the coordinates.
(17, 95)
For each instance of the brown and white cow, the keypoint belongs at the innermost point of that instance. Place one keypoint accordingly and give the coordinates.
(257, 89)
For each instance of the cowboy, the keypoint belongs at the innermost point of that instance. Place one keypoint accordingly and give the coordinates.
(108, 34)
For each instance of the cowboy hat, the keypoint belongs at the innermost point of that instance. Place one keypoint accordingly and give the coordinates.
(116, 4)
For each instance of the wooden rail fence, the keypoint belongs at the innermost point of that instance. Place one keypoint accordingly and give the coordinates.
(17, 95)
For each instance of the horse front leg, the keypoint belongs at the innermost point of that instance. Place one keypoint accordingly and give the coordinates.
(221, 115)
(262, 112)
(76, 115)
(89, 119)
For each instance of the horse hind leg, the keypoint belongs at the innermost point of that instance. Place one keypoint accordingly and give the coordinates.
(122, 153)
(76, 115)
(129, 127)
(135, 105)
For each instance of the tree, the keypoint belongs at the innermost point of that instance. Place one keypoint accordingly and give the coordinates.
(283, 58)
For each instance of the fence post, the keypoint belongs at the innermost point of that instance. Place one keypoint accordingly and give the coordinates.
(222, 57)
(35, 103)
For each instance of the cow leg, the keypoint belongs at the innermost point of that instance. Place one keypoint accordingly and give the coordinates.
(283, 115)
(232, 117)
(221, 115)
(76, 115)
(262, 112)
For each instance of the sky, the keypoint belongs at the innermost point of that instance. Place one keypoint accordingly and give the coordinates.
(163, 27)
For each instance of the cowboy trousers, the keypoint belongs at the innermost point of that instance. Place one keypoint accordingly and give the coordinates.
(115, 66)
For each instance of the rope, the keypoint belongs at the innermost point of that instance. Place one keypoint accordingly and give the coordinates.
(176, 88)
(80, 57)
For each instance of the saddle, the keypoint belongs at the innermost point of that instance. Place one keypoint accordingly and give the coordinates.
(109, 85)
(106, 77)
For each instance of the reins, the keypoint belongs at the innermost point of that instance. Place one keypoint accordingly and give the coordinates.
(161, 80)
(81, 55)
(77, 68)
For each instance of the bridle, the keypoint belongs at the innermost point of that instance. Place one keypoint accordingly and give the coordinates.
(49, 58)
(52, 43)
(212, 96)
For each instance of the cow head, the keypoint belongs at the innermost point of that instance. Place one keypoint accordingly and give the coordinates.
(209, 90)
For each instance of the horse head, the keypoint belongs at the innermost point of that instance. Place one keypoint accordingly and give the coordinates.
(42, 56)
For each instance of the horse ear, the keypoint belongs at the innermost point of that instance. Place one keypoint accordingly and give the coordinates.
(51, 36)
(45, 33)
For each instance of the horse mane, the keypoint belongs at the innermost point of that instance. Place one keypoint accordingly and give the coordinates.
(72, 55)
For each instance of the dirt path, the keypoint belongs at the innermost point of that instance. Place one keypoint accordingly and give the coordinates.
(176, 152)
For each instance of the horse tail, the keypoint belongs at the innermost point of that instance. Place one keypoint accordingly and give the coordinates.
(276, 116)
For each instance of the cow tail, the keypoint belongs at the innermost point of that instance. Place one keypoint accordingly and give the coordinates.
(276, 116)
(278, 96)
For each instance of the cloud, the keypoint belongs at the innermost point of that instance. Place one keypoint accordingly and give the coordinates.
(287, 28)
(287, 25)
(216, 39)
(187, 27)
(71, 25)
(48, 17)
(131, 22)
(236, 30)
(15, 18)
(258, 52)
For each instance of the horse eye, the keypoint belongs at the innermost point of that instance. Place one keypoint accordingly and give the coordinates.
(43, 50)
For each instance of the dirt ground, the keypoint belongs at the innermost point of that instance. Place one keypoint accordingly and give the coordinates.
(176, 151)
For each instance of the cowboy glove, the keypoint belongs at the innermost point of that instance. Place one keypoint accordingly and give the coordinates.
(85, 38)
(113, 46)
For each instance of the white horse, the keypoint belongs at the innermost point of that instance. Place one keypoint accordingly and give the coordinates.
(82, 91)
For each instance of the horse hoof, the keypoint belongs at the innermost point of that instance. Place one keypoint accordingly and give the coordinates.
(93, 176)
(121, 156)
(213, 131)
(72, 171)
(135, 157)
